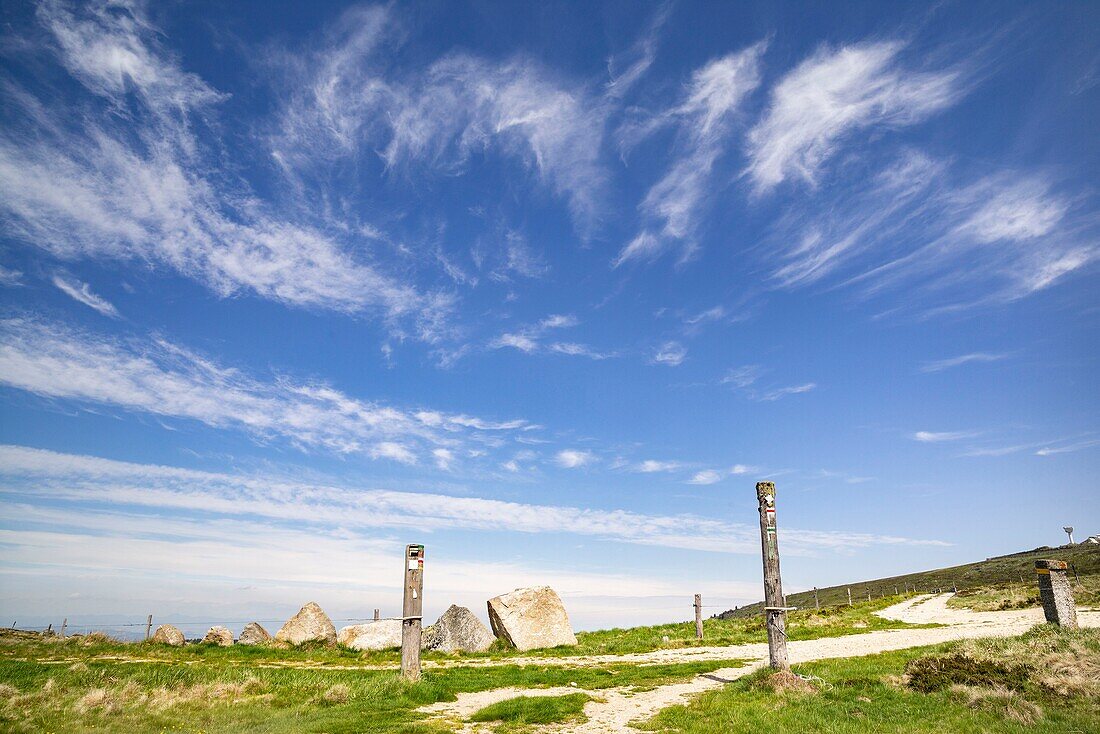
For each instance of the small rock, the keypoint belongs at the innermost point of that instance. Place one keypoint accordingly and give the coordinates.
(310, 624)
(220, 636)
(458, 629)
(253, 634)
(168, 634)
(377, 635)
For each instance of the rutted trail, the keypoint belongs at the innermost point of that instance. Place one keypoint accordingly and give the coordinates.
(616, 707)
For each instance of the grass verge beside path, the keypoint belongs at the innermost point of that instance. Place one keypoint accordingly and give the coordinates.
(1016, 595)
(1047, 680)
(523, 710)
(208, 689)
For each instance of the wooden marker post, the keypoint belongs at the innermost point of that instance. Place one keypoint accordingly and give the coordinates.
(817, 604)
(849, 596)
(775, 612)
(412, 612)
(148, 626)
(698, 616)
(377, 615)
(64, 623)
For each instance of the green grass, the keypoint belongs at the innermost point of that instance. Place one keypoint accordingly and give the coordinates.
(1016, 595)
(71, 687)
(568, 709)
(1015, 568)
(1060, 693)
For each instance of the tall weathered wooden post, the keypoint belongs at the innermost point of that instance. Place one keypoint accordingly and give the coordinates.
(698, 616)
(775, 611)
(148, 626)
(412, 611)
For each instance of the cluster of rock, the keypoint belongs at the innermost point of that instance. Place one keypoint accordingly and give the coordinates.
(526, 619)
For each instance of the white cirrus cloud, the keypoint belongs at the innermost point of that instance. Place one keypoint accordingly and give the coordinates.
(574, 458)
(939, 365)
(652, 466)
(940, 240)
(832, 94)
(703, 119)
(82, 293)
(706, 476)
(44, 477)
(940, 436)
(670, 354)
(165, 379)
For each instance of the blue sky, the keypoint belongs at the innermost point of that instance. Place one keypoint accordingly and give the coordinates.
(547, 288)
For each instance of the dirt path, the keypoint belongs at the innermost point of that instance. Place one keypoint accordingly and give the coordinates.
(614, 708)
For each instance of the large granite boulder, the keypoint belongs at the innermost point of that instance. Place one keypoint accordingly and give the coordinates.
(253, 634)
(168, 634)
(529, 619)
(377, 635)
(220, 636)
(458, 629)
(310, 624)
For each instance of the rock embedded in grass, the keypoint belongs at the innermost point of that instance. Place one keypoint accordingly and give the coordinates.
(530, 619)
(458, 629)
(253, 634)
(168, 634)
(310, 624)
(377, 635)
(218, 635)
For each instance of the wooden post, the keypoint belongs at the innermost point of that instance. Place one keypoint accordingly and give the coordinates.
(698, 616)
(377, 616)
(775, 611)
(148, 626)
(895, 590)
(868, 595)
(49, 629)
(412, 610)
(817, 604)
(63, 623)
(849, 596)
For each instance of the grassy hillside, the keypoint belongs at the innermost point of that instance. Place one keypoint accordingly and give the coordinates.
(1014, 568)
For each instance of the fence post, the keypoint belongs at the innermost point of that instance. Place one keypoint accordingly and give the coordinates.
(849, 596)
(412, 609)
(817, 604)
(148, 626)
(775, 610)
(63, 623)
(698, 616)
(377, 615)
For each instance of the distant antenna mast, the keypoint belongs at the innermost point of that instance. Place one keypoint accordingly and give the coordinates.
(1069, 532)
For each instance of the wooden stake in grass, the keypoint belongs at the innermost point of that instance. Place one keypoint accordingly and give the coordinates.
(849, 596)
(412, 610)
(698, 616)
(775, 611)
(817, 604)
(148, 626)
(64, 622)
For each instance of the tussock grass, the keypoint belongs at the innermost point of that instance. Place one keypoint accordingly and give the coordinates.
(567, 709)
(873, 693)
(1017, 595)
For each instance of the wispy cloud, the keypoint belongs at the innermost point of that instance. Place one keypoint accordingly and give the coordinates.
(652, 466)
(636, 62)
(940, 436)
(945, 245)
(1068, 447)
(10, 278)
(832, 94)
(574, 458)
(165, 379)
(713, 476)
(746, 381)
(530, 339)
(670, 354)
(939, 365)
(703, 120)
(82, 293)
(44, 476)
(129, 179)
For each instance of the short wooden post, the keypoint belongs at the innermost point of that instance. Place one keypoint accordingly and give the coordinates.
(148, 626)
(849, 596)
(377, 615)
(64, 622)
(868, 595)
(775, 611)
(412, 610)
(49, 629)
(698, 616)
(895, 590)
(817, 604)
